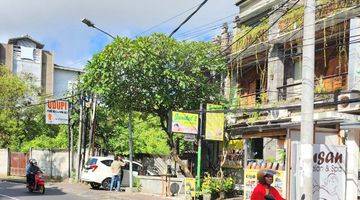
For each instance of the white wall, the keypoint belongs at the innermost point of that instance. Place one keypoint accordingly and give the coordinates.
(25, 66)
(61, 81)
(53, 163)
(4, 162)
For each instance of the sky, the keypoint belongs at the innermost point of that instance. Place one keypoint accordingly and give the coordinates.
(57, 23)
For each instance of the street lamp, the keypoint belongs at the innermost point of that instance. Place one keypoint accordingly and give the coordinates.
(92, 25)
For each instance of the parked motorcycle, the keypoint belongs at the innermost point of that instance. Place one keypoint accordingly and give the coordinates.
(38, 184)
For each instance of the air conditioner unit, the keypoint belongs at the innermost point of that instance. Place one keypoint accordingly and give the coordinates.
(346, 107)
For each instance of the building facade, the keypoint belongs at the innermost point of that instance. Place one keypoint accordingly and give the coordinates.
(264, 71)
(25, 56)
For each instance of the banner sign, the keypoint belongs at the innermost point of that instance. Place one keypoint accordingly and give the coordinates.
(189, 188)
(329, 172)
(184, 122)
(57, 112)
(250, 182)
(214, 127)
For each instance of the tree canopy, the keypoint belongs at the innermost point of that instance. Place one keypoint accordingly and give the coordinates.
(22, 125)
(155, 75)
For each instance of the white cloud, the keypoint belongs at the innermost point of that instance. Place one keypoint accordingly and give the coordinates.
(56, 23)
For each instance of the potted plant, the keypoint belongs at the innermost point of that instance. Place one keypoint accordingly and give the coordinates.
(207, 187)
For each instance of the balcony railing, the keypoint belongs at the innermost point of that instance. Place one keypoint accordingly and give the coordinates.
(326, 84)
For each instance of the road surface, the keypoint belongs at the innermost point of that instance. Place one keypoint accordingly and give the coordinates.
(17, 191)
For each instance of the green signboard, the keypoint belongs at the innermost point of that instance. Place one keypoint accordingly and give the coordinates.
(184, 122)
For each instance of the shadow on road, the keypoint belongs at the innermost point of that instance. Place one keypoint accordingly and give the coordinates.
(20, 190)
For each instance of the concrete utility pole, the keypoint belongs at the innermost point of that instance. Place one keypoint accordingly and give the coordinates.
(131, 152)
(78, 169)
(307, 102)
(92, 127)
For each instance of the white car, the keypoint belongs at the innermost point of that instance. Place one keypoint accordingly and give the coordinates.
(98, 174)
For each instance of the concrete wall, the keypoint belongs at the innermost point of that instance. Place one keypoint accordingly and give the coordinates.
(4, 162)
(53, 163)
(6, 55)
(47, 76)
(62, 78)
(157, 185)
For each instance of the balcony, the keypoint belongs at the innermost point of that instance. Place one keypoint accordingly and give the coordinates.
(324, 85)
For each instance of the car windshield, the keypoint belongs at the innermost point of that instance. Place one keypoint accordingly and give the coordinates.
(91, 161)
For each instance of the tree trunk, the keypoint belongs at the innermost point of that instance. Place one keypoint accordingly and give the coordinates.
(174, 155)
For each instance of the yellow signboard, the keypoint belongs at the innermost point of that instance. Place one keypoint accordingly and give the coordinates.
(189, 188)
(214, 127)
(184, 122)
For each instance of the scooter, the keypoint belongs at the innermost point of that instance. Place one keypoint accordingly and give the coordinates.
(38, 185)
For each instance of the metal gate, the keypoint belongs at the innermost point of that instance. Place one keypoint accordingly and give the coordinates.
(18, 163)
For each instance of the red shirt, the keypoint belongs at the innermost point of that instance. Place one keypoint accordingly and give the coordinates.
(259, 193)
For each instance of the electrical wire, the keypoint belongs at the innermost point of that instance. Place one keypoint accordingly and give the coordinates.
(167, 20)
(188, 18)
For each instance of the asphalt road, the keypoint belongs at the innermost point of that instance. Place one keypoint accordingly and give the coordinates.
(18, 191)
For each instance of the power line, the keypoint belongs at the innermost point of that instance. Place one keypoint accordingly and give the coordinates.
(188, 18)
(37, 104)
(167, 20)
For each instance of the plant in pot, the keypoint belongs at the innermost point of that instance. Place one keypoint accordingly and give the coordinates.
(207, 187)
(224, 186)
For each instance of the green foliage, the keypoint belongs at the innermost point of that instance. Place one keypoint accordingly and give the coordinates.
(23, 126)
(47, 142)
(257, 33)
(212, 184)
(152, 75)
(137, 184)
(112, 133)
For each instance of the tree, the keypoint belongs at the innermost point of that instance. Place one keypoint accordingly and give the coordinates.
(155, 75)
(112, 133)
(22, 124)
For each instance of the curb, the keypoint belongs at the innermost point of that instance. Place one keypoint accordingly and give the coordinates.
(13, 180)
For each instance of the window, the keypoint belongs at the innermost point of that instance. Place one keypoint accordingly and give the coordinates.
(107, 162)
(91, 161)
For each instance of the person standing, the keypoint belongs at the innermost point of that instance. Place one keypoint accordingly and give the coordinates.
(264, 190)
(116, 166)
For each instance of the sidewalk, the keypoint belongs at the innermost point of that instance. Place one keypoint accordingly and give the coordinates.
(84, 190)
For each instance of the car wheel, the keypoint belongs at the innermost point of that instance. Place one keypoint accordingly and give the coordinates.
(95, 185)
(106, 184)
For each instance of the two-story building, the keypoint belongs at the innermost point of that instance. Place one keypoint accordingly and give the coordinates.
(265, 65)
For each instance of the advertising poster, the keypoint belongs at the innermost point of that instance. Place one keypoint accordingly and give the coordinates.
(250, 182)
(214, 127)
(190, 188)
(184, 122)
(329, 172)
(57, 112)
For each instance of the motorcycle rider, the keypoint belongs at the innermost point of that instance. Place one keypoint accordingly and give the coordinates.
(264, 190)
(31, 171)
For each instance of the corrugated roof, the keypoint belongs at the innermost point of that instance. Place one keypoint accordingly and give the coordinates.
(56, 66)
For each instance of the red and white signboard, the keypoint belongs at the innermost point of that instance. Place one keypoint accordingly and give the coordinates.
(57, 112)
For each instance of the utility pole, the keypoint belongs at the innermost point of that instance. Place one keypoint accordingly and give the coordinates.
(92, 127)
(131, 151)
(307, 103)
(69, 141)
(78, 170)
(199, 151)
